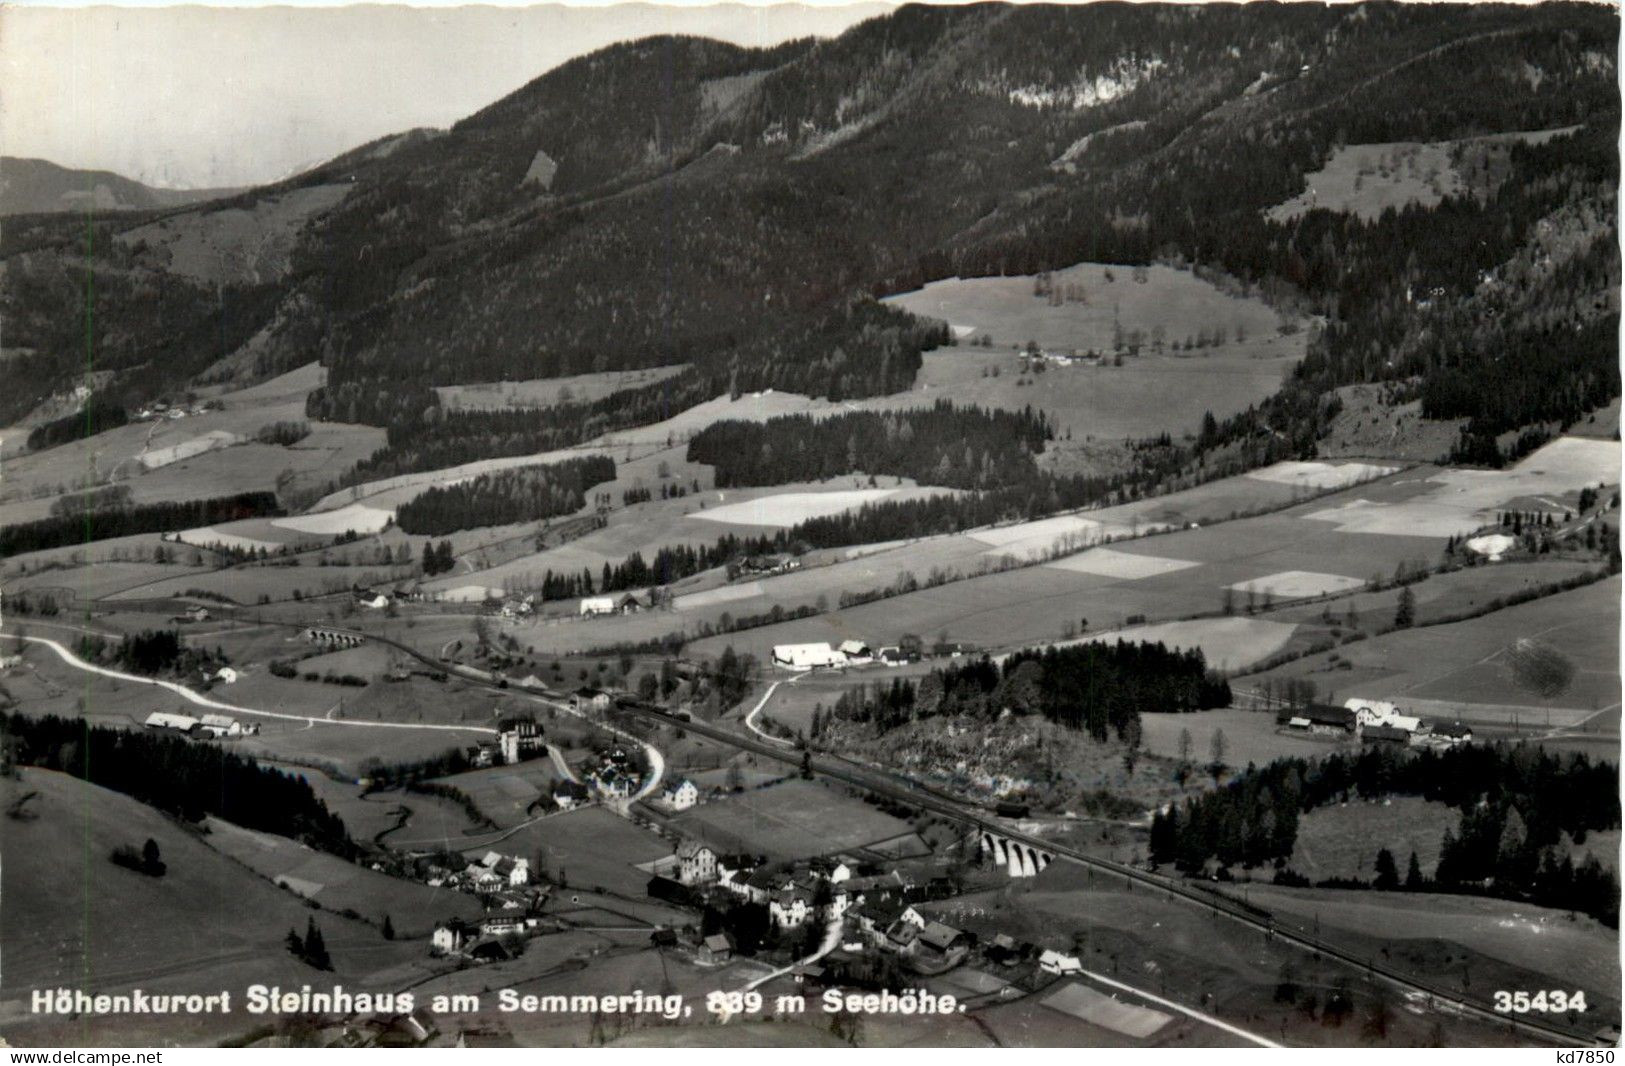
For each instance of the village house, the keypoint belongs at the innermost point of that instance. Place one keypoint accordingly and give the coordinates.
(696, 863)
(715, 949)
(488, 949)
(1452, 733)
(856, 651)
(1322, 721)
(221, 726)
(450, 936)
(508, 924)
(761, 884)
(734, 871)
(1054, 962)
(1381, 713)
(874, 917)
(590, 699)
(196, 613)
(183, 723)
(791, 908)
(1386, 734)
(939, 940)
(520, 739)
(569, 795)
(900, 937)
(513, 872)
(613, 783)
(680, 796)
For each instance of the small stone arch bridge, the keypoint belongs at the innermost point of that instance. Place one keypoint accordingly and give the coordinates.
(333, 638)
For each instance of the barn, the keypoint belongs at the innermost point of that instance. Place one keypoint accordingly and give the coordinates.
(807, 656)
(598, 605)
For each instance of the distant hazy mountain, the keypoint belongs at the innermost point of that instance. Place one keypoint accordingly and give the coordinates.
(32, 186)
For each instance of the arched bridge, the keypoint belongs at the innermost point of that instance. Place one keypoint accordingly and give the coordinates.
(1020, 859)
(333, 638)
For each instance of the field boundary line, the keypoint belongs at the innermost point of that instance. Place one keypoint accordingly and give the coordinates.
(1192, 1012)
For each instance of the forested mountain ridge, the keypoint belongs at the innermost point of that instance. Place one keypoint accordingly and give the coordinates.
(682, 200)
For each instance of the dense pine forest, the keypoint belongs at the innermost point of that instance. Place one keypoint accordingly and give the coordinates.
(1101, 688)
(98, 415)
(69, 529)
(955, 447)
(521, 494)
(183, 777)
(1517, 806)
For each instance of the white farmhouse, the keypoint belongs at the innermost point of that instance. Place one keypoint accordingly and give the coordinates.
(680, 796)
(591, 605)
(807, 656)
(856, 651)
(1381, 713)
(696, 863)
(1057, 963)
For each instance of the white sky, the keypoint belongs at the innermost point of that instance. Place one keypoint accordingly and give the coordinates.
(191, 97)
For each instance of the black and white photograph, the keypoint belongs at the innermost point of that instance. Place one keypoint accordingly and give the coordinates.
(778, 526)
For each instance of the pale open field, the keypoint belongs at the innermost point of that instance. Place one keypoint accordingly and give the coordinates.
(1249, 737)
(1575, 954)
(1449, 502)
(1108, 562)
(697, 519)
(207, 924)
(202, 455)
(1226, 643)
(508, 794)
(793, 819)
(587, 847)
(1150, 393)
(338, 885)
(548, 392)
(210, 537)
(1320, 475)
(1297, 584)
(154, 458)
(1342, 840)
(1368, 179)
(1462, 664)
(357, 518)
(1040, 604)
(783, 509)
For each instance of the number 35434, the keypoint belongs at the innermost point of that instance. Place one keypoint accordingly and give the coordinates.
(1555, 1001)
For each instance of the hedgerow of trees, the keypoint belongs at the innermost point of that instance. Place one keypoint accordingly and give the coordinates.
(1516, 804)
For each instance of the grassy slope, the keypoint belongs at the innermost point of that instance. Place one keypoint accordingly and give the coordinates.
(208, 924)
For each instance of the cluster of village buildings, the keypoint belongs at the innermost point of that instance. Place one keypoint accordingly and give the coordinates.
(877, 911)
(1374, 722)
